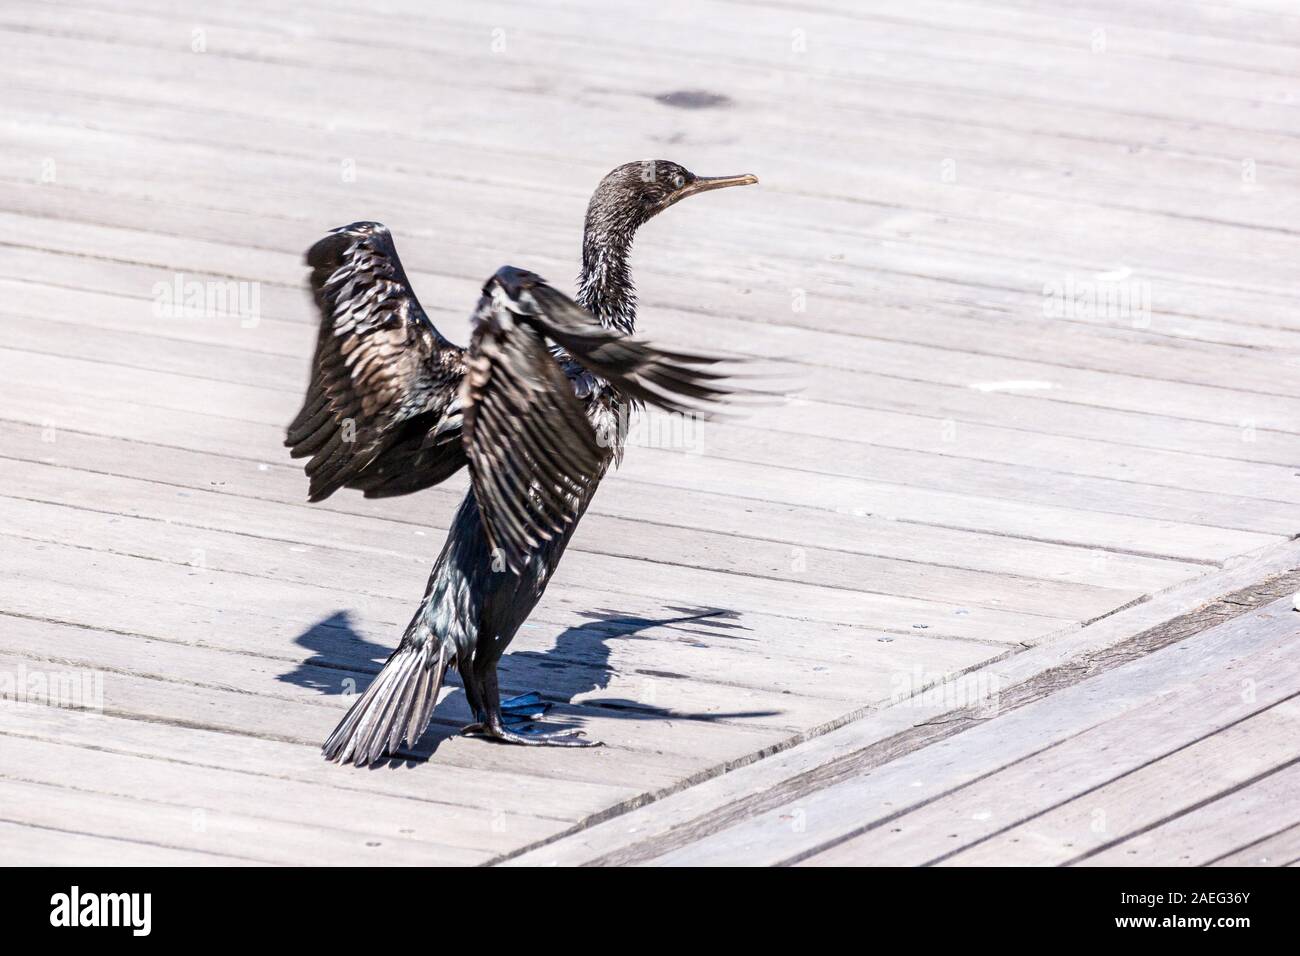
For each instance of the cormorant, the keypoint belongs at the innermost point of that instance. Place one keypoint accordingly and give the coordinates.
(535, 407)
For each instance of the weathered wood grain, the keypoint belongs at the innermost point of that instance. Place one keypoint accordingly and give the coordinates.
(29, 845)
(1181, 716)
(792, 831)
(1255, 752)
(1276, 849)
(909, 731)
(1253, 811)
(964, 481)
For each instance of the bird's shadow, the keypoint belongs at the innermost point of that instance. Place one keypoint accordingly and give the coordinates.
(342, 661)
(345, 662)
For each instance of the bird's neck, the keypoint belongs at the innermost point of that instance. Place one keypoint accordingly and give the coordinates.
(605, 286)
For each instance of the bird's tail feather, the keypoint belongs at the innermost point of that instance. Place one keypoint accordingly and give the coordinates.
(395, 708)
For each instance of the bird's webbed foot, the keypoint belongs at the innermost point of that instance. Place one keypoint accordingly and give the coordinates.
(511, 725)
(523, 709)
(542, 738)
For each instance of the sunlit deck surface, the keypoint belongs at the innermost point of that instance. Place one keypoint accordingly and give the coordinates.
(1008, 581)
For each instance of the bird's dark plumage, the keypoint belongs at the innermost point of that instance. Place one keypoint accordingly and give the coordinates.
(533, 405)
(383, 376)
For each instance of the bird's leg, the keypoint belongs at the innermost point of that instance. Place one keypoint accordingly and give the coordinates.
(515, 711)
(474, 697)
(495, 725)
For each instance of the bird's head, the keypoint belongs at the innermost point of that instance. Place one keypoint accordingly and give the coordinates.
(636, 192)
(626, 198)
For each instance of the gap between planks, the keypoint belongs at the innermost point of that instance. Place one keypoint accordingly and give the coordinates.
(874, 737)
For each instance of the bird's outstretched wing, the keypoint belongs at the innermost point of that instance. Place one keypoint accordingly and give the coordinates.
(394, 407)
(534, 455)
(380, 411)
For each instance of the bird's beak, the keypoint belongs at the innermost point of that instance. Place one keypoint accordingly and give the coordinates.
(703, 184)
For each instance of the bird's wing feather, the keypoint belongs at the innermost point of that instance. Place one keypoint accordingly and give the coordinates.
(534, 456)
(383, 378)
(674, 381)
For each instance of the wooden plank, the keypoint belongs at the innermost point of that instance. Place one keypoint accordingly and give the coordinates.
(755, 445)
(904, 32)
(919, 513)
(683, 816)
(829, 814)
(1079, 769)
(1056, 837)
(1248, 415)
(1239, 52)
(997, 509)
(956, 403)
(1248, 752)
(653, 584)
(25, 845)
(845, 388)
(219, 497)
(854, 531)
(439, 828)
(1277, 849)
(108, 199)
(1239, 197)
(465, 786)
(1060, 27)
(105, 194)
(754, 442)
(466, 59)
(1175, 316)
(642, 691)
(27, 516)
(212, 830)
(1205, 833)
(220, 484)
(1165, 374)
(622, 764)
(705, 650)
(859, 427)
(1199, 19)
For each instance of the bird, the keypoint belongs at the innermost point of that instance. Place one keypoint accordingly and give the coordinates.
(535, 408)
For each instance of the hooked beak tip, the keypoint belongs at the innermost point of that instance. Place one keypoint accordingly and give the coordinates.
(718, 182)
(703, 184)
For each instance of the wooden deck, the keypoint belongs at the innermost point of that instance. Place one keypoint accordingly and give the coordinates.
(1007, 582)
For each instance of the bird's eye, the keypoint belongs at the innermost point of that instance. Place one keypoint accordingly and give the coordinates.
(679, 180)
